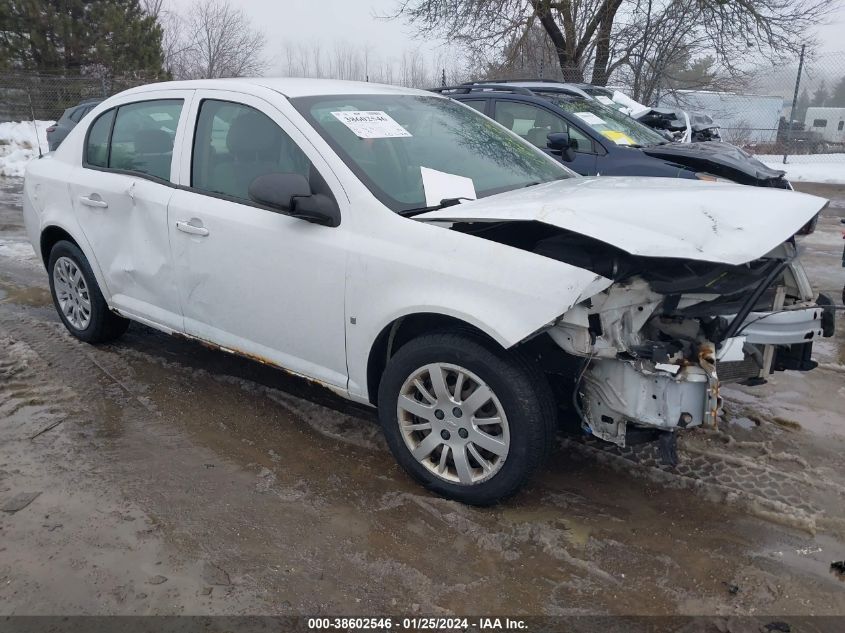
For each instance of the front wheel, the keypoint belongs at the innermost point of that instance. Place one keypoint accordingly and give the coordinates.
(465, 418)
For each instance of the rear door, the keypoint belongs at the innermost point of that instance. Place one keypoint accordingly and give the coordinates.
(534, 123)
(120, 195)
(252, 279)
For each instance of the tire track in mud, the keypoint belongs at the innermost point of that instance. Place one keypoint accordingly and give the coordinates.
(802, 497)
(87, 374)
(30, 400)
(798, 496)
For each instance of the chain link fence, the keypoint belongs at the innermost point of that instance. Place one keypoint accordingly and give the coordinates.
(46, 96)
(788, 115)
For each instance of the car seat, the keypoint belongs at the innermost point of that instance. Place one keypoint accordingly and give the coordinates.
(254, 144)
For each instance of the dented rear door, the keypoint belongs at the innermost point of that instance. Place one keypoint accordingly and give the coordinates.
(124, 217)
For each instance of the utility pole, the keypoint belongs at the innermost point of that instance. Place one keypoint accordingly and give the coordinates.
(794, 103)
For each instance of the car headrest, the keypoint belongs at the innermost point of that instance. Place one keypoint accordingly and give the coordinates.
(546, 119)
(252, 133)
(153, 142)
(506, 119)
(537, 136)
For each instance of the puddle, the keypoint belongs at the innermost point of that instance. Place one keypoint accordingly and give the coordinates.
(34, 296)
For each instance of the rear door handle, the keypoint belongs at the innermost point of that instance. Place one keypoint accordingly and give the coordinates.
(187, 227)
(93, 201)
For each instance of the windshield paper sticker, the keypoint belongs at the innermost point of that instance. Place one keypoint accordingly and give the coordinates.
(589, 117)
(620, 138)
(371, 124)
(439, 185)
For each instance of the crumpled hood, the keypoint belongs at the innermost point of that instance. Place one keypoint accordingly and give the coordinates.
(702, 156)
(654, 217)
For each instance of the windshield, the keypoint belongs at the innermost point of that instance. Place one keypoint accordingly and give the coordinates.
(607, 121)
(412, 151)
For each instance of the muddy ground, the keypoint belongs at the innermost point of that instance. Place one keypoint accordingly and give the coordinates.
(172, 479)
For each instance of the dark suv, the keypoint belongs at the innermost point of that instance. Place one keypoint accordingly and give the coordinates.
(593, 139)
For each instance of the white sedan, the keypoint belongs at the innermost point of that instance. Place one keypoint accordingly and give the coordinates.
(407, 252)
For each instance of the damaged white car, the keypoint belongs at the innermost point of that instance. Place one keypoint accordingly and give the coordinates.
(407, 252)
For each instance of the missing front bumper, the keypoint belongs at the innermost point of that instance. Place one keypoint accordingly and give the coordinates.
(617, 393)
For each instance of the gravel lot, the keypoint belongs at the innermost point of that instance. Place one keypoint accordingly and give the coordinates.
(174, 479)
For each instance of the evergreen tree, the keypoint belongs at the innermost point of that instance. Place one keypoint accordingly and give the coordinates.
(821, 95)
(801, 106)
(838, 96)
(109, 37)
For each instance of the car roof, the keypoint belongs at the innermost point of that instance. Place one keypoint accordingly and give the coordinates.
(540, 85)
(512, 90)
(288, 86)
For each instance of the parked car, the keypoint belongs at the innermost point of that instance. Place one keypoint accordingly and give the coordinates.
(57, 132)
(408, 253)
(794, 138)
(675, 124)
(593, 138)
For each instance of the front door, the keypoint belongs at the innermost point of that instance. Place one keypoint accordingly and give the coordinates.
(251, 279)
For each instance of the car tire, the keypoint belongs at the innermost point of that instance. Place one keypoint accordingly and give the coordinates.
(506, 454)
(77, 297)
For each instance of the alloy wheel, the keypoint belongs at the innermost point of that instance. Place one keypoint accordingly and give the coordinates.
(72, 293)
(453, 424)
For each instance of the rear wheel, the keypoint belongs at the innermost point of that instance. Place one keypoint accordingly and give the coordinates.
(466, 419)
(78, 299)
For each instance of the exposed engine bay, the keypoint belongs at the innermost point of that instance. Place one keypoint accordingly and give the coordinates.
(655, 345)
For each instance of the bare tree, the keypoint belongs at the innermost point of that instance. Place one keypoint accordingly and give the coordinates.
(217, 40)
(358, 62)
(173, 44)
(593, 38)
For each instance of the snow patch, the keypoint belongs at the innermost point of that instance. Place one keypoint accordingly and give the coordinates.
(17, 250)
(19, 145)
(825, 168)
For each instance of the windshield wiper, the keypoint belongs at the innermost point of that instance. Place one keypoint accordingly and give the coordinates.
(445, 202)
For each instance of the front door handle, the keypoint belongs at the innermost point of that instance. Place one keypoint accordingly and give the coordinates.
(94, 200)
(187, 227)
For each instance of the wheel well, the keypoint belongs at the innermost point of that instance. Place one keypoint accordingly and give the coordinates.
(402, 330)
(49, 237)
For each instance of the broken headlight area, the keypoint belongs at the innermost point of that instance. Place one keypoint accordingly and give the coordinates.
(659, 342)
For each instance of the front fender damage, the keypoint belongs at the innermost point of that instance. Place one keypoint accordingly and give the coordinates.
(653, 347)
(654, 343)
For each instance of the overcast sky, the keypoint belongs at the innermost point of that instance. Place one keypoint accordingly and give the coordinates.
(355, 22)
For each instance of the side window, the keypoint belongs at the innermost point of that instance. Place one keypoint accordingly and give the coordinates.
(819, 122)
(477, 104)
(142, 138)
(97, 146)
(534, 124)
(234, 144)
(585, 143)
(840, 126)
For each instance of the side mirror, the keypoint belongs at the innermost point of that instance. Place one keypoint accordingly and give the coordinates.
(291, 194)
(560, 143)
